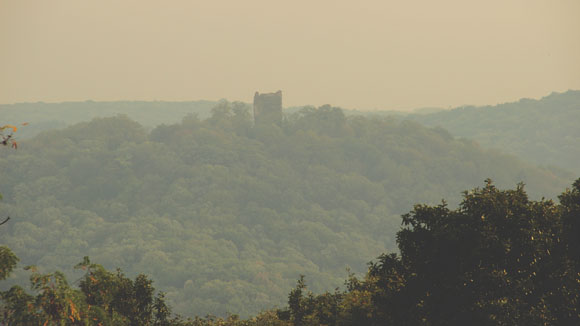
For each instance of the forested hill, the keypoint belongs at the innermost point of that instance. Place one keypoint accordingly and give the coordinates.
(224, 215)
(545, 131)
(42, 116)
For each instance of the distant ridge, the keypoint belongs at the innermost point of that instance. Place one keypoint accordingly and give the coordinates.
(544, 131)
(46, 116)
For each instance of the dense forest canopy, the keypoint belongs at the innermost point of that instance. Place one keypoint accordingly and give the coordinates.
(542, 132)
(224, 214)
(498, 259)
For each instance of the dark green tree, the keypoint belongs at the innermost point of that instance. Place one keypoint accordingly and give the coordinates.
(119, 296)
(296, 302)
(499, 259)
(8, 261)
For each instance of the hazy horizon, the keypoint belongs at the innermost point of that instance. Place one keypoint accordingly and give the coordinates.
(372, 55)
(424, 109)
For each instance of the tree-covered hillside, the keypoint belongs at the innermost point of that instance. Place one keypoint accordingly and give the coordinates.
(48, 116)
(499, 259)
(223, 214)
(544, 132)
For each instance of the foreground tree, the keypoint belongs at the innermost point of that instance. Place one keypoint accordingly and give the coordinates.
(498, 259)
(117, 298)
(488, 262)
(104, 298)
(8, 261)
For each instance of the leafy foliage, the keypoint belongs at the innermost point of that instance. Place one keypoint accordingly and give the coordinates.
(499, 259)
(104, 298)
(223, 214)
(7, 137)
(8, 261)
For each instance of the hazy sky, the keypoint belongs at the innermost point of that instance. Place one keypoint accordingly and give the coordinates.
(366, 54)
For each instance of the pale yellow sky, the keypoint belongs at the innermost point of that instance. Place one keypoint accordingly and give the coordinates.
(366, 54)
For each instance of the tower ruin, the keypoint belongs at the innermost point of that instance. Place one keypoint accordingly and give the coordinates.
(268, 107)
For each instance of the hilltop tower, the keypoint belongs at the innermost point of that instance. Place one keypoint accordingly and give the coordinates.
(268, 107)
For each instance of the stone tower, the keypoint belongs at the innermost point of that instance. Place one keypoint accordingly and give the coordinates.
(268, 107)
